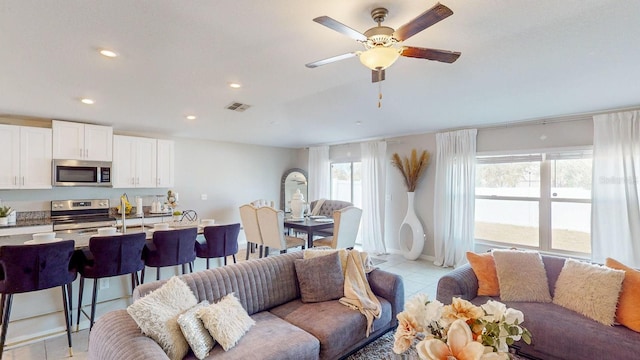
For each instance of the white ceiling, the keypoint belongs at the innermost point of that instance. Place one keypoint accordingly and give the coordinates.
(520, 60)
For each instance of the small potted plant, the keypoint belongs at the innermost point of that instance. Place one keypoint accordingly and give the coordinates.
(177, 215)
(4, 214)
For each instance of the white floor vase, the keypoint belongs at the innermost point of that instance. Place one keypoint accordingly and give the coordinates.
(411, 233)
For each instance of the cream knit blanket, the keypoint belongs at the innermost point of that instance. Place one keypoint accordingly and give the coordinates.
(317, 206)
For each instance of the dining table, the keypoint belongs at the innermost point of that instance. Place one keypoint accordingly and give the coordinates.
(310, 225)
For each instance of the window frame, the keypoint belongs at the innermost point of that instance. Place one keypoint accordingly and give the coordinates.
(545, 199)
(351, 184)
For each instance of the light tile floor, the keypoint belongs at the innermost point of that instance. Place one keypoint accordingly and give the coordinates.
(420, 276)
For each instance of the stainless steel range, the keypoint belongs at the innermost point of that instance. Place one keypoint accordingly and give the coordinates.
(80, 216)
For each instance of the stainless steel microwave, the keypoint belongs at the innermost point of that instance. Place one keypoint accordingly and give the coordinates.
(81, 173)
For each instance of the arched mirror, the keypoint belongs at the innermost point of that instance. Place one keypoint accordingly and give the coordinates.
(292, 180)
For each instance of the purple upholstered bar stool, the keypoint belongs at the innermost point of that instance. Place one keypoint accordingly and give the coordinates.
(222, 241)
(109, 256)
(169, 248)
(27, 268)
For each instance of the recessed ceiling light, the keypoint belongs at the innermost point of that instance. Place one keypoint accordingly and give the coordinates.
(87, 101)
(108, 53)
(191, 117)
(235, 85)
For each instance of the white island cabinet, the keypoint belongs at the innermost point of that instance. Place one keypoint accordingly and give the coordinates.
(26, 160)
(78, 141)
(165, 167)
(134, 162)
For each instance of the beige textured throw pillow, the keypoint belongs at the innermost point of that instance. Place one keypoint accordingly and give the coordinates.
(521, 276)
(157, 316)
(589, 289)
(194, 331)
(227, 321)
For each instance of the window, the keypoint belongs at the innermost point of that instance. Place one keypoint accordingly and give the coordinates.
(346, 182)
(540, 201)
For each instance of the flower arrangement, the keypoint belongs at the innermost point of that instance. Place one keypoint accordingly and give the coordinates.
(411, 169)
(461, 331)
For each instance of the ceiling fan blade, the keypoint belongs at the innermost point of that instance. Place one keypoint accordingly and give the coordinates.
(437, 13)
(340, 27)
(430, 54)
(377, 75)
(330, 60)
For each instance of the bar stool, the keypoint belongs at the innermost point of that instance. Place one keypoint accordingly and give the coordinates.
(170, 248)
(28, 268)
(222, 241)
(109, 256)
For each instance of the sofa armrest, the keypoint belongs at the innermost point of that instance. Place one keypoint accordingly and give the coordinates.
(461, 282)
(115, 335)
(390, 287)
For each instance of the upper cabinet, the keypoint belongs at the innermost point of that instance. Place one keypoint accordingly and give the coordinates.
(26, 162)
(165, 163)
(134, 162)
(79, 141)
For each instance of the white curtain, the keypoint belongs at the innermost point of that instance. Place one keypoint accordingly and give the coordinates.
(373, 156)
(615, 209)
(319, 177)
(454, 202)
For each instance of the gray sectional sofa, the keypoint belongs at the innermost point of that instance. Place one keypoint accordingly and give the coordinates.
(286, 328)
(558, 333)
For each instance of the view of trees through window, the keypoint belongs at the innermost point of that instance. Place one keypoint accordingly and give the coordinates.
(540, 201)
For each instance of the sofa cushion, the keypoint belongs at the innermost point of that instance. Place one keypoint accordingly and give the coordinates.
(589, 289)
(628, 312)
(485, 269)
(320, 278)
(273, 339)
(198, 337)
(335, 325)
(560, 333)
(157, 316)
(226, 320)
(521, 276)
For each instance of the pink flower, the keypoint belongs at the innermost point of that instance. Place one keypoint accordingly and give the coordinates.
(405, 333)
(459, 346)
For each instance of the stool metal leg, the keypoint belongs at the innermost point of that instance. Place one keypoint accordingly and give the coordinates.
(93, 303)
(67, 314)
(80, 302)
(5, 320)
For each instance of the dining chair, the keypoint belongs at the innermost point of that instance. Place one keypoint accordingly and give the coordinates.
(170, 248)
(346, 223)
(109, 256)
(249, 218)
(221, 241)
(27, 268)
(271, 223)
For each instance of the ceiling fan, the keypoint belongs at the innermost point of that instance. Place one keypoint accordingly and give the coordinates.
(383, 44)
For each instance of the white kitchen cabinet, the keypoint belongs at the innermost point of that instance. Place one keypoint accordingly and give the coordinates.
(134, 162)
(26, 163)
(165, 166)
(78, 141)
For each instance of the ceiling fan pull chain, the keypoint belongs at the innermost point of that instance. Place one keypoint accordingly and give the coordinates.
(379, 88)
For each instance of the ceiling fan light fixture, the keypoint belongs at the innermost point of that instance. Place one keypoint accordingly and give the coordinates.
(379, 57)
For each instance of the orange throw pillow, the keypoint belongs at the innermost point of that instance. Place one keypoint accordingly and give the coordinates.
(628, 313)
(485, 269)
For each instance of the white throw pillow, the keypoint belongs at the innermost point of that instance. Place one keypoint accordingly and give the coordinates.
(157, 316)
(522, 276)
(194, 331)
(226, 320)
(589, 289)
